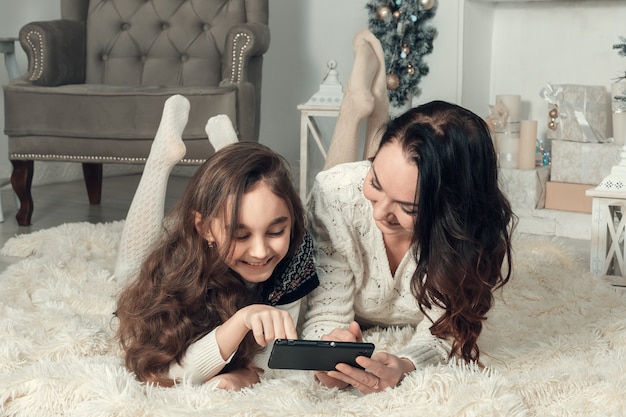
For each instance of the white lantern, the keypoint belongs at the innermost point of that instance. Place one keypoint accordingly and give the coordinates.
(331, 90)
(608, 224)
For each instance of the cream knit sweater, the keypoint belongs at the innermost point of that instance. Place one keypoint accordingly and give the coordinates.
(203, 360)
(355, 279)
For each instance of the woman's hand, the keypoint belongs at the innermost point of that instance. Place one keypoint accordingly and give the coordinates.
(238, 379)
(352, 334)
(382, 370)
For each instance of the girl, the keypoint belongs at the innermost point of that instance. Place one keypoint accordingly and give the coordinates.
(228, 272)
(415, 236)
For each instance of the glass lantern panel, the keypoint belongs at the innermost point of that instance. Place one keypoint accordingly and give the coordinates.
(615, 241)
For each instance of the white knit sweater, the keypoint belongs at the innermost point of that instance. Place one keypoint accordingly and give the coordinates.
(203, 360)
(355, 278)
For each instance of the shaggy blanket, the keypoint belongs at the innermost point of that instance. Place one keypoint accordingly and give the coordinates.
(554, 345)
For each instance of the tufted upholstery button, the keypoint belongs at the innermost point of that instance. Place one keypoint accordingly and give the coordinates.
(144, 58)
(184, 57)
(125, 26)
(206, 27)
(105, 57)
(165, 26)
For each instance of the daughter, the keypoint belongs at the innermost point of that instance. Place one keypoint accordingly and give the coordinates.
(224, 274)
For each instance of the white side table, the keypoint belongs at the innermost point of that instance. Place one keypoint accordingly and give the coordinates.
(309, 125)
(7, 47)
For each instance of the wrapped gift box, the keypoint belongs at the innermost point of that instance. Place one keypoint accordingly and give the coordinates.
(568, 197)
(584, 113)
(583, 163)
(525, 189)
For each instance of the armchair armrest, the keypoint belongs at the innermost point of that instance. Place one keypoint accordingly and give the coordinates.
(242, 43)
(55, 51)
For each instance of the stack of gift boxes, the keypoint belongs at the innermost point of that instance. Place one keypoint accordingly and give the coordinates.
(523, 169)
(583, 151)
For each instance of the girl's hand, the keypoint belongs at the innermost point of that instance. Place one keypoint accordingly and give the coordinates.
(382, 370)
(267, 323)
(238, 379)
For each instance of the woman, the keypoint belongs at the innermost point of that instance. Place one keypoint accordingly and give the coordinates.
(415, 236)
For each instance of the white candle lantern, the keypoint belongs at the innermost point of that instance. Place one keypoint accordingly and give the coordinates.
(608, 223)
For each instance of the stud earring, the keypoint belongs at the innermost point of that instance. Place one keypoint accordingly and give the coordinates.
(211, 244)
(554, 114)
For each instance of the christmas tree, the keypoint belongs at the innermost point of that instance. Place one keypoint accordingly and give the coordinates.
(621, 50)
(400, 26)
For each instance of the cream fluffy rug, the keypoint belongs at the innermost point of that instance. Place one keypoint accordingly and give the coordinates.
(555, 345)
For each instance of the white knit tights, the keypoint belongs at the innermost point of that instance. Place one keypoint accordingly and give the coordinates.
(143, 223)
(365, 97)
(145, 215)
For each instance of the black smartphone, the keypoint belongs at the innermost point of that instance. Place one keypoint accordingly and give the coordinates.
(316, 355)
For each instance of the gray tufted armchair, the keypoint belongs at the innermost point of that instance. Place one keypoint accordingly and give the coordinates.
(97, 80)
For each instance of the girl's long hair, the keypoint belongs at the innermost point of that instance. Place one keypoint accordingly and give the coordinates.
(184, 289)
(462, 231)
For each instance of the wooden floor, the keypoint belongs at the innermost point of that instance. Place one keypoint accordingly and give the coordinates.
(56, 204)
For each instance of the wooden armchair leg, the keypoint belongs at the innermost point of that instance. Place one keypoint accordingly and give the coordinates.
(21, 180)
(93, 180)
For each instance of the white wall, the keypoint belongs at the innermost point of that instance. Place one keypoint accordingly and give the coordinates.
(565, 42)
(526, 44)
(305, 35)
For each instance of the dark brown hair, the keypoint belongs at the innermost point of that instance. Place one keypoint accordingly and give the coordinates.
(464, 222)
(184, 289)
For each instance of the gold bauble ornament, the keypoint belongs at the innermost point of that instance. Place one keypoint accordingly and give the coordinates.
(410, 69)
(397, 14)
(427, 4)
(393, 81)
(383, 13)
(553, 113)
(405, 49)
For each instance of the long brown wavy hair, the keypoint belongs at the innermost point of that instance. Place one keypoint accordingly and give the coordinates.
(184, 289)
(464, 222)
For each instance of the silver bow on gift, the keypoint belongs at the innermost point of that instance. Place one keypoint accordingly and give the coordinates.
(554, 97)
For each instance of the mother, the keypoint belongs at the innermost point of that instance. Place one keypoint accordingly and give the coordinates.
(415, 236)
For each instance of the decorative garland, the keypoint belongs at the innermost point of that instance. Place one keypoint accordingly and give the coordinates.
(400, 26)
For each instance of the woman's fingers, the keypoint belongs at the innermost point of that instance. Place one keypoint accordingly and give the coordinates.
(340, 335)
(330, 382)
(381, 371)
(355, 329)
(364, 381)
